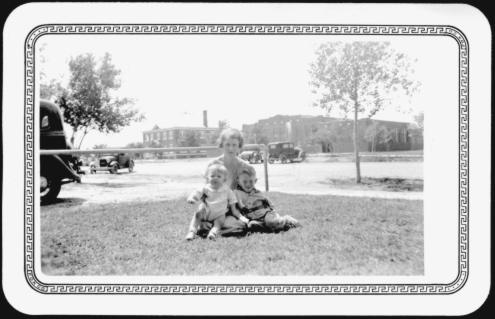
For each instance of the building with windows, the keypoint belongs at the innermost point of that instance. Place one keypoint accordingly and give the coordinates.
(178, 136)
(328, 134)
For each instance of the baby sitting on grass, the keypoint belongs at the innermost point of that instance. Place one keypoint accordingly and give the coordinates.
(258, 208)
(216, 198)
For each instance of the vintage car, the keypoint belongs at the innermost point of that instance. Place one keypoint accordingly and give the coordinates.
(112, 163)
(253, 157)
(285, 152)
(55, 170)
(252, 153)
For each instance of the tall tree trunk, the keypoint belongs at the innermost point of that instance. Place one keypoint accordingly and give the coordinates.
(356, 147)
(82, 138)
(73, 137)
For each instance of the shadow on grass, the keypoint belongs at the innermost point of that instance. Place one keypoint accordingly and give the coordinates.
(87, 172)
(69, 201)
(117, 185)
(383, 184)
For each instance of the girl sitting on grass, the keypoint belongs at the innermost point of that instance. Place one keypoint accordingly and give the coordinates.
(216, 199)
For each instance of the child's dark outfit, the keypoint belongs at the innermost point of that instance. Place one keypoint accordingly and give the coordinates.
(259, 208)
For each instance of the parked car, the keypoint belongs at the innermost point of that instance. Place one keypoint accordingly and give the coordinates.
(285, 152)
(252, 153)
(112, 163)
(253, 157)
(55, 170)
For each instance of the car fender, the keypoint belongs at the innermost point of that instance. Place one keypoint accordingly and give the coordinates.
(53, 165)
(113, 163)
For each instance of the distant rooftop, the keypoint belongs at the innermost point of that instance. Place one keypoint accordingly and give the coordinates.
(191, 128)
(316, 117)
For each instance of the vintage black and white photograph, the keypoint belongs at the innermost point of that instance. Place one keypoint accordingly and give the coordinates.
(274, 155)
(247, 150)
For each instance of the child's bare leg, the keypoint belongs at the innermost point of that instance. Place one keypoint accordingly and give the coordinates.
(195, 223)
(217, 225)
(193, 227)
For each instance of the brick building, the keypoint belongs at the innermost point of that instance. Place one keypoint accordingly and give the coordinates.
(177, 136)
(181, 135)
(327, 134)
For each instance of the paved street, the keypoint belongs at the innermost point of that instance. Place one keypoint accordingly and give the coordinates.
(164, 179)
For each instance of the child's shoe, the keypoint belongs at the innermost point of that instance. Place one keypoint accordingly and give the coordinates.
(291, 222)
(212, 235)
(190, 235)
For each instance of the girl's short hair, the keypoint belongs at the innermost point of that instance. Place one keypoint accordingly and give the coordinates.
(216, 168)
(230, 133)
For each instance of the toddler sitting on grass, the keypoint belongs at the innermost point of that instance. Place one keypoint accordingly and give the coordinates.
(258, 208)
(216, 198)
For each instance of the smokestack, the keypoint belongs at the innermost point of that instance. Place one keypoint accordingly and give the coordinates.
(205, 118)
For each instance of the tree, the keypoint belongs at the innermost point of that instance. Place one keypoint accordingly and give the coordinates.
(87, 102)
(223, 124)
(378, 134)
(136, 145)
(258, 135)
(419, 119)
(50, 90)
(261, 139)
(100, 146)
(359, 78)
(213, 138)
(371, 135)
(324, 138)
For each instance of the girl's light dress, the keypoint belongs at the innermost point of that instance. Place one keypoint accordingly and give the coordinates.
(232, 225)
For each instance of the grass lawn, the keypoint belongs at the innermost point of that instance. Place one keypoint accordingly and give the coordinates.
(340, 236)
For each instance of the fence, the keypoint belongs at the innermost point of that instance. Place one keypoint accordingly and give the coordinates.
(181, 151)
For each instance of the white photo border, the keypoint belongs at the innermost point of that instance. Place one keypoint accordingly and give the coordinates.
(247, 289)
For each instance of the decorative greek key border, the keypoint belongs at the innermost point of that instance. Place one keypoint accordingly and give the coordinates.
(249, 289)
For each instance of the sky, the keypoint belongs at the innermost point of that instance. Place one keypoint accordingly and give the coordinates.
(241, 79)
